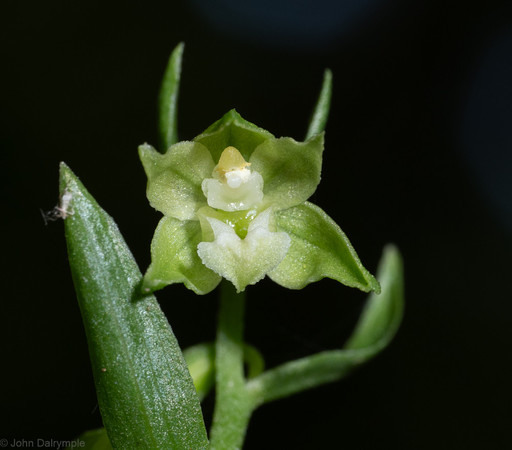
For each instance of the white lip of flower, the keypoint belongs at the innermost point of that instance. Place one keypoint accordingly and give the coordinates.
(244, 261)
(234, 187)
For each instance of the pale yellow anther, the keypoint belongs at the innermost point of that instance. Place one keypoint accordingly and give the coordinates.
(230, 160)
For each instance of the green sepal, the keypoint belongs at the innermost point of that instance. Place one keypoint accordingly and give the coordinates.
(319, 249)
(175, 177)
(145, 393)
(290, 169)
(168, 99)
(92, 440)
(232, 130)
(174, 258)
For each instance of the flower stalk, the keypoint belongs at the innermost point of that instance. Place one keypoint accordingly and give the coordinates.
(233, 402)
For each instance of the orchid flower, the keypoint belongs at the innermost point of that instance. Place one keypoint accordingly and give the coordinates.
(234, 201)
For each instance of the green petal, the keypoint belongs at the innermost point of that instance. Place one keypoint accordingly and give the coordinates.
(174, 258)
(233, 130)
(174, 178)
(290, 169)
(319, 249)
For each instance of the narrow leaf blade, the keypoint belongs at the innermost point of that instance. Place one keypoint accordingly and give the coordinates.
(322, 107)
(383, 313)
(376, 328)
(145, 392)
(168, 99)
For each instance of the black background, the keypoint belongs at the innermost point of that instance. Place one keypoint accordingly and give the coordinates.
(79, 84)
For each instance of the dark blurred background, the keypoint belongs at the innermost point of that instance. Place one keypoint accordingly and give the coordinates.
(418, 152)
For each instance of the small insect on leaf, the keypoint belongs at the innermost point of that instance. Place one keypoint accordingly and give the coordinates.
(61, 211)
(63, 208)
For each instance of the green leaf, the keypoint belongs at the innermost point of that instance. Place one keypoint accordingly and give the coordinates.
(92, 440)
(376, 328)
(319, 249)
(145, 393)
(168, 99)
(174, 178)
(174, 258)
(233, 130)
(290, 169)
(321, 111)
(383, 313)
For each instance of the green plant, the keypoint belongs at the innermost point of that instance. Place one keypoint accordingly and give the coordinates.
(235, 210)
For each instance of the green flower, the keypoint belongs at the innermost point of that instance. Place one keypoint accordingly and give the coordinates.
(234, 205)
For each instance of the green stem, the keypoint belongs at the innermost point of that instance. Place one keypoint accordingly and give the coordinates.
(233, 403)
